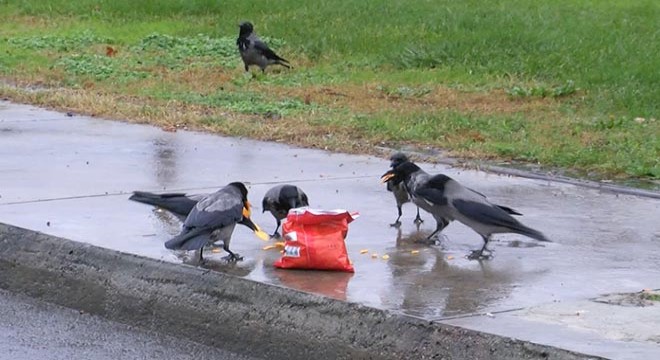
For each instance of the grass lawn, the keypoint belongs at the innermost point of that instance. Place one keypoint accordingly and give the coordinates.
(570, 84)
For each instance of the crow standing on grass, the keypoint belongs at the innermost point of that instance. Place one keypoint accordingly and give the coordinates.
(399, 190)
(213, 219)
(254, 51)
(282, 198)
(451, 200)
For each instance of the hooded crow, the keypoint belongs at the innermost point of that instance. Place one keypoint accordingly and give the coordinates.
(399, 190)
(282, 198)
(449, 199)
(179, 204)
(254, 51)
(213, 218)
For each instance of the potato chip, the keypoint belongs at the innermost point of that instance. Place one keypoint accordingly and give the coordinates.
(364, 251)
(385, 257)
(414, 252)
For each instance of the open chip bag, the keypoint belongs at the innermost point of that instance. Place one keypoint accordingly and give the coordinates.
(314, 240)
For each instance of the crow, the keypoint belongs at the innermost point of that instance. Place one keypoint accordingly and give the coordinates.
(399, 191)
(282, 198)
(254, 51)
(451, 200)
(179, 204)
(213, 218)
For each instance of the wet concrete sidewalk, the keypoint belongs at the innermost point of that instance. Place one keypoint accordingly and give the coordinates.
(71, 177)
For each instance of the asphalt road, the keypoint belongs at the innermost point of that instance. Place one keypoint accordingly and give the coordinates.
(31, 329)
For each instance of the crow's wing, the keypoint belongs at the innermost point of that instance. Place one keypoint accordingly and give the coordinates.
(266, 51)
(222, 208)
(485, 214)
(433, 196)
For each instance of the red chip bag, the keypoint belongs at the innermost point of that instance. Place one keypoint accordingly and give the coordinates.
(314, 240)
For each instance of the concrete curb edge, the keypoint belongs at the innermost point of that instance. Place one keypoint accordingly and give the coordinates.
(236, 314)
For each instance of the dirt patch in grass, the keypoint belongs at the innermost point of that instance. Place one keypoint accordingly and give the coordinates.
(374, 98)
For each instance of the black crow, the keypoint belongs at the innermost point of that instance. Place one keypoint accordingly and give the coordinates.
(282, 198)
(213, 219)
(449, 199)
(399, 191)
(254, 51)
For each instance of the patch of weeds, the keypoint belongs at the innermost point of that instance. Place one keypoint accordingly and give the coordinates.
(566, 89)
(58, 42)
(404, 91)
(650, 296)
(418, 58)
(178, 52)
(609, 123)
(98, 67)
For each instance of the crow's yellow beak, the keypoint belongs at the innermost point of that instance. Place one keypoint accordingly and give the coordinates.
(385, 178)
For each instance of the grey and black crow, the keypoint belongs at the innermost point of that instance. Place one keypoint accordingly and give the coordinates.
(282, 198)
(399, 191)
(213, 219)
(449, 199)
(254, 51)
(179, 204)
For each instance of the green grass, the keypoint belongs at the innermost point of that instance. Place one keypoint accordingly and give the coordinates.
(592, 66)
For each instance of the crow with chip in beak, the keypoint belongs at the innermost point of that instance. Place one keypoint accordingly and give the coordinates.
(447, 198)
(399, 190)
(282, 198)
(254, 51)
(213, 219)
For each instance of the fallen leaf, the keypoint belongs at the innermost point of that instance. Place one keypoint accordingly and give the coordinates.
(110, 51)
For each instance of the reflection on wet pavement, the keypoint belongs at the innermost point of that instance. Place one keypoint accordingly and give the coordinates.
(71, 177)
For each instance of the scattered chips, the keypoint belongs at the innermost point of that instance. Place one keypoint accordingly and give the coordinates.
(450, 257)
(364, 251)
(414, 252)
(374, 256)
(385, 257)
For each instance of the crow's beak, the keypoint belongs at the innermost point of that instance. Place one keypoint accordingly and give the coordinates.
(254, 227)
(385, 178)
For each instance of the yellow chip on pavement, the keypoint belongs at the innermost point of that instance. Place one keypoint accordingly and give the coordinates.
(414, 252)
(385, 257)
(364, 251)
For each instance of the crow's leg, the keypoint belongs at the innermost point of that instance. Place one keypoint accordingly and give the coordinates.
(397, 223)
(479, 254)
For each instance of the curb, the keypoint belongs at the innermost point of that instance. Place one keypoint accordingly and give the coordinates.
(233, 313)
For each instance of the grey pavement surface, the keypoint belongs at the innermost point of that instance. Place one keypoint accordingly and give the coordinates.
(31, 329)
(71, 177)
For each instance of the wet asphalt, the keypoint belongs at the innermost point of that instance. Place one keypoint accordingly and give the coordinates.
(71, 177)
(32, 329)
